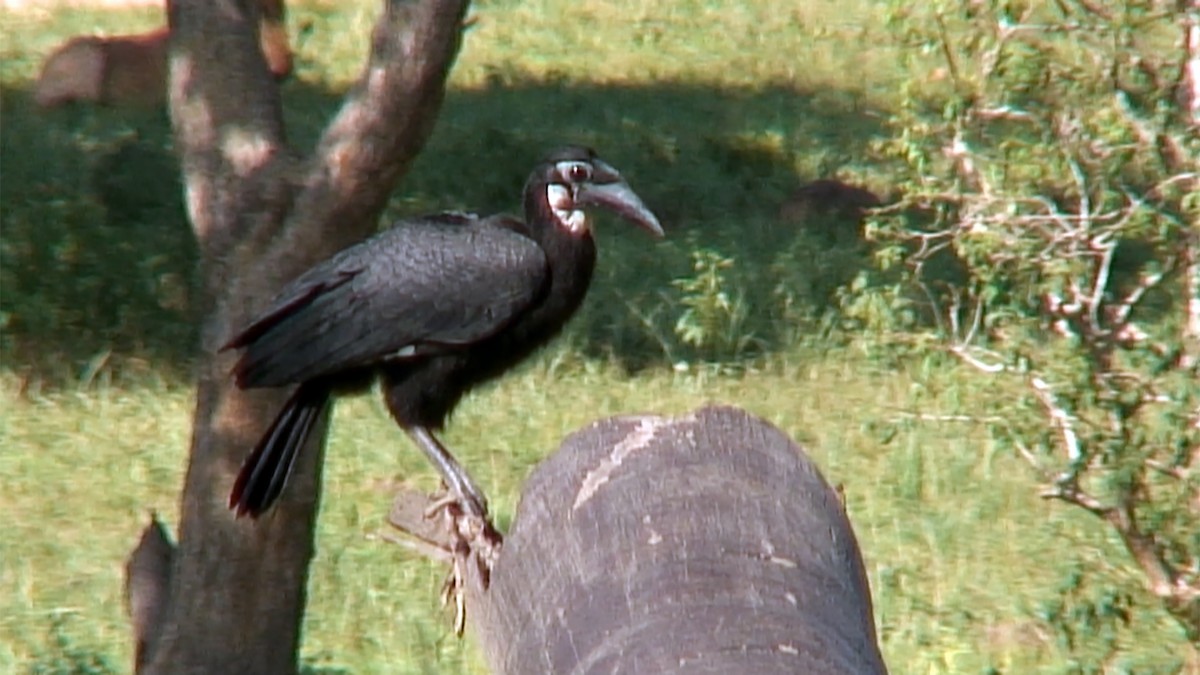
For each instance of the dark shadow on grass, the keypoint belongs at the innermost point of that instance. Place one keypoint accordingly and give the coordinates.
(97, 257)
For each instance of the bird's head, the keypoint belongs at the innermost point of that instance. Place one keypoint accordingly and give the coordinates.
(573, 179)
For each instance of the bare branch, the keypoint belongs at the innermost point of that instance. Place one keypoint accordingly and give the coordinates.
(1174, 155)
(1069, 492)
(1059, 417)
(417, 546)
(964, 162)
(1106, 248)
(1121, 312)
(1096, 9)
(1031, 459)
(1005, 112)
(1162, 579)
(947, 53)
(937, 417)
(1081, 185)
(953, 314)
(1176, 472)
(382, 126)
(1064, 248)
(963, 352)
(1190, 249)
(1187, 90)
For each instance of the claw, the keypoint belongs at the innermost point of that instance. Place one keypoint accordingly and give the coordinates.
(454, 589)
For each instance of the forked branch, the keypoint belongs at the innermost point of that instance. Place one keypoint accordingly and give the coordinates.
(383, 124)
(235, 594)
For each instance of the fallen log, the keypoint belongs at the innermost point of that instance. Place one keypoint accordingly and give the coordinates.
(708, 543)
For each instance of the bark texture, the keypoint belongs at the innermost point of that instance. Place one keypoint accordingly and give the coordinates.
(707, 543)
(236, 589)
(147, 581)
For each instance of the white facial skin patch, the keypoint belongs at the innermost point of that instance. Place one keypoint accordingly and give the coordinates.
(562, 203)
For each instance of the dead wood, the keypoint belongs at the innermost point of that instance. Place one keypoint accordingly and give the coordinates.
(707, 543)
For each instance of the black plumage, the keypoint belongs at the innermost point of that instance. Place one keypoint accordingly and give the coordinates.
(432, 307)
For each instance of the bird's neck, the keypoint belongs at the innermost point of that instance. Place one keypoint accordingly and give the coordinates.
(571, 254)
(544, 225)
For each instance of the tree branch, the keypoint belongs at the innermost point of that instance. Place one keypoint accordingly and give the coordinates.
(1163, 581)
(383, 124)
(1187, 89)
(237, 588)
(1060, 418)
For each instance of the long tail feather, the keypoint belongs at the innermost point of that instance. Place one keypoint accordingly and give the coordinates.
(265, 472)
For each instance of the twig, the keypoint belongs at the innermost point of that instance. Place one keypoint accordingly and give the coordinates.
(1069, 492)
(1031, 459)
(1134, 296)
(1059, 416)
(418, 546)
(951, 62)
(961, 351)
(936, 417)
(1175, 472)
(1187, 88)
(1169, 147)
(1005, 112)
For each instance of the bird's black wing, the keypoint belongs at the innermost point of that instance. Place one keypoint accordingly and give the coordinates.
(420, 286)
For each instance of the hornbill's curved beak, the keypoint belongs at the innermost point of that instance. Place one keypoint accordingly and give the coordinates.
(608, 190)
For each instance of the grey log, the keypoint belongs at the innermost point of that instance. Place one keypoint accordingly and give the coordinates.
(708, 543)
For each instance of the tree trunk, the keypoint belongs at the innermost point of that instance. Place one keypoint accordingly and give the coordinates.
(708, 543)
(235, 590)
(1188, 93)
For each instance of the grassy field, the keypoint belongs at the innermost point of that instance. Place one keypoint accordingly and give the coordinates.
(715, 110)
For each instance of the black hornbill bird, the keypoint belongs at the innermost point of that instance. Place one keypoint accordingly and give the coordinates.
(431, 307)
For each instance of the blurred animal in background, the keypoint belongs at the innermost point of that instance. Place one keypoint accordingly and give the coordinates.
(131, 70)
(125, 70)
(830, 209)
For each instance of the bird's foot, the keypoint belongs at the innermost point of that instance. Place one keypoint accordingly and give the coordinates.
(472, 504)
(439, 528)
(454, 590)
(465, 517)
(473, 541)
(440, 502)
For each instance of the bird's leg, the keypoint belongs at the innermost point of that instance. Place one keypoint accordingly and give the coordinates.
(456, 477)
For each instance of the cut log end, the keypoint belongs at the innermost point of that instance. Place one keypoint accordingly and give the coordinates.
(703, 543)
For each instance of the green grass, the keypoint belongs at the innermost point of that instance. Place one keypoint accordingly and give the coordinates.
(960, 553)
(715, 110)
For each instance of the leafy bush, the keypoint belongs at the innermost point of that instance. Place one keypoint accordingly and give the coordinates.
(1047, 235)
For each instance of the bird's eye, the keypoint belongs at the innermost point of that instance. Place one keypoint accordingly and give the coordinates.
(579, 173)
